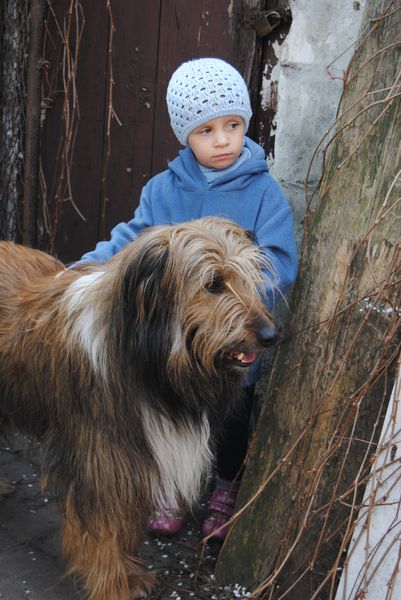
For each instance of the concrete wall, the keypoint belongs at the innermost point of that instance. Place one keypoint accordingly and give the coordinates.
(322, 31)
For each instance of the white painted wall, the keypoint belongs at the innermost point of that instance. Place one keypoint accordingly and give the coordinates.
(372, 568)
(322, 31)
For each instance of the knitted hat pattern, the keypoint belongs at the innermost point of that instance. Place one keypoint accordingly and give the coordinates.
(203, 89)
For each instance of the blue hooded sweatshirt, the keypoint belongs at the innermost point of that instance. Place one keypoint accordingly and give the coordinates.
(247, 195)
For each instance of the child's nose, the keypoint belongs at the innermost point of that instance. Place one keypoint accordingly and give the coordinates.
(221, 138)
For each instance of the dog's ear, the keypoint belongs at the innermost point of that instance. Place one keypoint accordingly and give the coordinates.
(144, 279)
(143, 304)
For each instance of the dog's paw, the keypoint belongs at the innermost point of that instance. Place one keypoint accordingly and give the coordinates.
(141, 585)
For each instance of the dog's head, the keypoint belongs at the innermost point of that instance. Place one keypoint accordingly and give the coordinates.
(190, 298)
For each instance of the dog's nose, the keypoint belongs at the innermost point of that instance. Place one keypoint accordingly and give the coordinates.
(266, 332)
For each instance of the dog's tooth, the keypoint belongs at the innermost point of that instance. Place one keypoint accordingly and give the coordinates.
(240, 356)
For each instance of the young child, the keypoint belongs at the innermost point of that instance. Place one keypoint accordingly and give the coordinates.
(223, 173)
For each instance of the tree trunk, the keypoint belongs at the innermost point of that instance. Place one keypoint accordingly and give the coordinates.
(14, 34)
(333, 373)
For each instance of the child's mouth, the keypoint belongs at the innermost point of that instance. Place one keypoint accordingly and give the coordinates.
(222, 156)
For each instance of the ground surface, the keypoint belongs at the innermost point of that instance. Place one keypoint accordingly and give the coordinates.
(31, 567)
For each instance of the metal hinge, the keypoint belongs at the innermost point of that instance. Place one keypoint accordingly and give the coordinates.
(266, 21)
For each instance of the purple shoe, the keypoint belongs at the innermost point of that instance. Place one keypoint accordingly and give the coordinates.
(166, 521)
(221, 508)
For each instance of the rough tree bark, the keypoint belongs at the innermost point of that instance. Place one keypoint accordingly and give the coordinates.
(14, 21)
(333, 374)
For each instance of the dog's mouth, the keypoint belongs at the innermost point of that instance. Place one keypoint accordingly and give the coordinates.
(240, 359)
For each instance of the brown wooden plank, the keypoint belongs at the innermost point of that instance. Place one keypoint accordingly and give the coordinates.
(51, 133)
(134, 72)
(265, 109)
(73, 234)
(190, 30)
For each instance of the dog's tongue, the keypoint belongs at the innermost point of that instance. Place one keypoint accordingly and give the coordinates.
(245, 358)
(249, 357)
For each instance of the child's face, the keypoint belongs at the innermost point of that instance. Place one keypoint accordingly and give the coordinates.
(219, 142)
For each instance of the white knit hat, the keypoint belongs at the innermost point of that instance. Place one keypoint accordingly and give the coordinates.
(204, 89)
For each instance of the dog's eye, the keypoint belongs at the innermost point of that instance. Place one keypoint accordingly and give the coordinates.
(216, 284)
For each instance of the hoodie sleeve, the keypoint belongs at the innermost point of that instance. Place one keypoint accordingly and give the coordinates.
(123, 233)
(275, 235)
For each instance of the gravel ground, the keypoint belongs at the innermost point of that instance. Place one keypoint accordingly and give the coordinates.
(30, 563)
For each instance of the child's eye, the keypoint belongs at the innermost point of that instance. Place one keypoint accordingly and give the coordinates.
(205, 131)
(233, 125)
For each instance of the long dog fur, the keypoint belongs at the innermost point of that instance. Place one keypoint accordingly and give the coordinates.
(119, 370)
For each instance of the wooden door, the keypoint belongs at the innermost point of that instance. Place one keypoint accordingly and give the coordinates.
(105, 125)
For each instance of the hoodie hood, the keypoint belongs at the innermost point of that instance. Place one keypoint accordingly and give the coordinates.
(185, 169)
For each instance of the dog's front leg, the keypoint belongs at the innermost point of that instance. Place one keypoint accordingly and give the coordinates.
(105, 560)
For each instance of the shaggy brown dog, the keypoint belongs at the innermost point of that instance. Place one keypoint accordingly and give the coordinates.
(119, 370)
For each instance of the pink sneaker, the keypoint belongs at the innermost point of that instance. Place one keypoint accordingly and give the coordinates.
(166, 521)
(221, 508)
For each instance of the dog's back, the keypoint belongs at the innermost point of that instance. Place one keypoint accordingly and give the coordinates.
(21, 271)
(20, 265)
